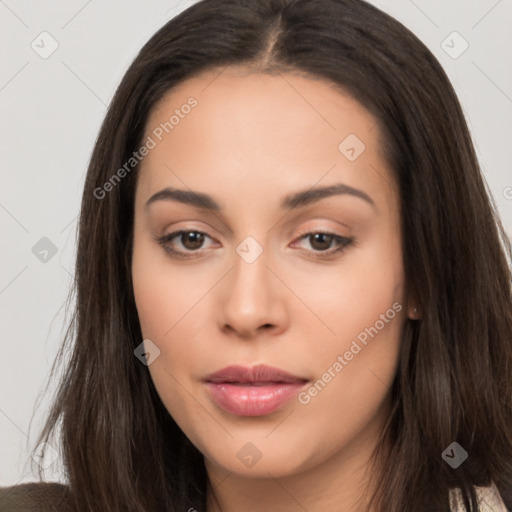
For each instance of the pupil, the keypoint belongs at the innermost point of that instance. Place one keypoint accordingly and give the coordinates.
(192, 239)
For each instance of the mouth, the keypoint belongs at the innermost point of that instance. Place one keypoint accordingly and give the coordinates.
(255, 391)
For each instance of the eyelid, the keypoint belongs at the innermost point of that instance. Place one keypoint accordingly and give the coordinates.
(327, 231)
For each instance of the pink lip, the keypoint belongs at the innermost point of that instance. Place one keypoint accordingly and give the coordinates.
(252, 391)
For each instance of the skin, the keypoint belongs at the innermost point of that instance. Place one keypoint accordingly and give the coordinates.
(251, 140)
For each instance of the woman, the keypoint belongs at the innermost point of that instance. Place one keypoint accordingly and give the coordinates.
(293, 292)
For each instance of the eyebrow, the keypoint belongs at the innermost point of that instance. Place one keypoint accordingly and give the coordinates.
(290, 202)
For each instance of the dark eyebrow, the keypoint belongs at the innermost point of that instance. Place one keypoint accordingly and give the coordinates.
(292, 201)
(304, 197)
(185, 196)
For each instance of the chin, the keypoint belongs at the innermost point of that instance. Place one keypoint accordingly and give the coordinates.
(257, 460)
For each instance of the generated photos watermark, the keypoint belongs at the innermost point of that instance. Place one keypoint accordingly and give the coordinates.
(149, 144)
(342, 361)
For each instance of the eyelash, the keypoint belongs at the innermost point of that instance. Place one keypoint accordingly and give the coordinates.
(343, 242)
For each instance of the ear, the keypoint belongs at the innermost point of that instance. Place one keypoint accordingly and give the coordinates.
(413, 312)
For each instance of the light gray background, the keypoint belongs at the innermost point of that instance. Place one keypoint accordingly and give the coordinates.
(51, 110)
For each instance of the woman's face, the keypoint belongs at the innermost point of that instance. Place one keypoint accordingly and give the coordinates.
(253, 281)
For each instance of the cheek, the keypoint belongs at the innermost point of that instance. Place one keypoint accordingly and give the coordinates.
(168, 309)
(162, 296)
(162, 311)
(353, 294)
(368, 323)
(362, 304)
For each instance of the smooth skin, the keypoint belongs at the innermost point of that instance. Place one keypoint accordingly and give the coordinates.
(251, 140)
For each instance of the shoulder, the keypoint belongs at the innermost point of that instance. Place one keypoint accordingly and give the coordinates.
(35, 496)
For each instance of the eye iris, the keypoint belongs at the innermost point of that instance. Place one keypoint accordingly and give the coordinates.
(324, 239)
(192, 239)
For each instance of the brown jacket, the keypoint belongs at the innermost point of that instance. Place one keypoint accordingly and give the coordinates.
(35, 497)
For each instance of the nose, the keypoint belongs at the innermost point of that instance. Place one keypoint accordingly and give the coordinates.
(253, 299)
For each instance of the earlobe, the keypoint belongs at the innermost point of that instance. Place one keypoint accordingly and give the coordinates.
(413, 313)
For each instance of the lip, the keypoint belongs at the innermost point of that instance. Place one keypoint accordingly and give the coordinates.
(254, 391)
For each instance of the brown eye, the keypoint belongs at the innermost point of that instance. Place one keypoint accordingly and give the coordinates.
(184, 243)
(324, 245)
(192, 239)
(321, 241)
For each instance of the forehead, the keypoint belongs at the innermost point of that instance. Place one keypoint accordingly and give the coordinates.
(254, 133)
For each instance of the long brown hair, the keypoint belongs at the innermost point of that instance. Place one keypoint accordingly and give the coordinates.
(122, 450)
